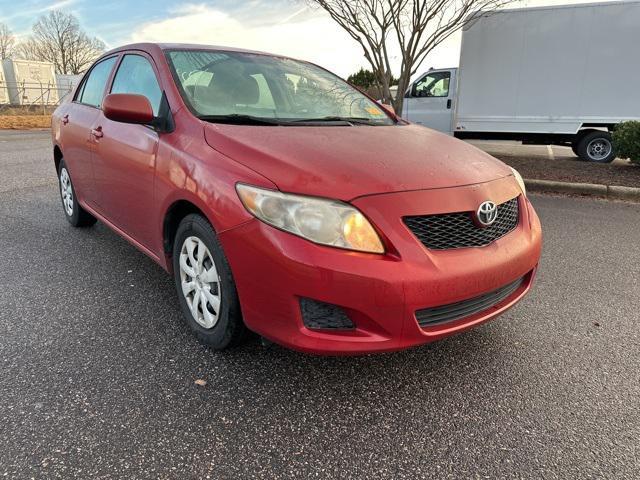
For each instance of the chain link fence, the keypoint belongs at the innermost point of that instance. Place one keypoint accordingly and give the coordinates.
(21, 98)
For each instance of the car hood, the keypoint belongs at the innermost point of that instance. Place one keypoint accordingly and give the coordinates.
(345, 162)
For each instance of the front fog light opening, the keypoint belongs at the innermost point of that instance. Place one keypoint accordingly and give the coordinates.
(318, 315)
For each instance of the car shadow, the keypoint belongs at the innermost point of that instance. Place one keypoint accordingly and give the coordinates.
(147, 329)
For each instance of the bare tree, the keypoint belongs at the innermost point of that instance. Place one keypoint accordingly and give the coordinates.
(58, 38)
(414, 27)
(7, 42)
(368, 22)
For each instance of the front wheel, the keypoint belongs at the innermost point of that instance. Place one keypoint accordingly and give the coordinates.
(206, 289)
(75, 214)
(596, 147)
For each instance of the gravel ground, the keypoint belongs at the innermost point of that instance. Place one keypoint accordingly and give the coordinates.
(97, 369)
(559, 163)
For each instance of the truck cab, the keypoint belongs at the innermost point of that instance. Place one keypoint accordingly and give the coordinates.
(430, 100)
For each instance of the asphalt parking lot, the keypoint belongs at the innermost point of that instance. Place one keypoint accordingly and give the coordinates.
(97, 369)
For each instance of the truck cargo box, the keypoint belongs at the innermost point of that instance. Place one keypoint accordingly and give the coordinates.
(30, 82)
(550, 69)
(4, 93)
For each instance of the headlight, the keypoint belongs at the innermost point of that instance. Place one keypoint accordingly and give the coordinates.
(519, 180)
(327, 222)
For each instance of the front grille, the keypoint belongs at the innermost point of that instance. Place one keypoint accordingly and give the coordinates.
(455, 311)
(458, 230)
(321, 316)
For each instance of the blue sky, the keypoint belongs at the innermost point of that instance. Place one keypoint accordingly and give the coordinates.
(113, 21)
(288, 27)
(281, 26)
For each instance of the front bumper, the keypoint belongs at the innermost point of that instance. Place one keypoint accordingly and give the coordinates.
(380, 293)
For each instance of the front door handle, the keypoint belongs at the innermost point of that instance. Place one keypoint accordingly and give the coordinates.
(449, 104)
(97, 132)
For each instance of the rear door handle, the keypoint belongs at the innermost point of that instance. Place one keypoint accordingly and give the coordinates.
(65, 119)
(449, 104)
(97, 132)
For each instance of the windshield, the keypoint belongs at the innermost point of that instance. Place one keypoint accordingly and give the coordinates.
(219, 86)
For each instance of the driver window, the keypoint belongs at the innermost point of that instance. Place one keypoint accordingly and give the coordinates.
(433, 85)
(135, 75)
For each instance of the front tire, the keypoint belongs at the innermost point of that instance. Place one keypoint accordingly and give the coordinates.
(596, 147)
(205, 285)
(75, 214)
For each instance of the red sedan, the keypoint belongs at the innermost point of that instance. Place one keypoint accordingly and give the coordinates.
(286, 202)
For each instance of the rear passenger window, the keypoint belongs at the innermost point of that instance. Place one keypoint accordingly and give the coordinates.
(93, 87)
(135, 75)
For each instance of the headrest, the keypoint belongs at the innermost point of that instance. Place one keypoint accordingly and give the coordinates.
(229, 88)
(246, 91)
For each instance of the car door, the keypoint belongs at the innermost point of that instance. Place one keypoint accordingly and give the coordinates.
(430, 100)
(76, 124)
(125, 154)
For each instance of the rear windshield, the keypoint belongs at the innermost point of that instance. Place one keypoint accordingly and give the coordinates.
(219, 84)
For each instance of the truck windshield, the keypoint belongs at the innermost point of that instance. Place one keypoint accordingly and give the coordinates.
(234, 87)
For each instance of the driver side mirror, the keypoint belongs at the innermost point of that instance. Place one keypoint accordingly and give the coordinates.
(128, 108)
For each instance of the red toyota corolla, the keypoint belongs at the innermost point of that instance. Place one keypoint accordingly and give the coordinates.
(285, 202)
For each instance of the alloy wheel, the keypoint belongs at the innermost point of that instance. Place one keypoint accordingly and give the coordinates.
(200, 282)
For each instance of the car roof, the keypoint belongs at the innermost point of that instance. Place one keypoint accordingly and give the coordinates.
(151, 46)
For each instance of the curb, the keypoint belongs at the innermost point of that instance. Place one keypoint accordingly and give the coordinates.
(592, 189)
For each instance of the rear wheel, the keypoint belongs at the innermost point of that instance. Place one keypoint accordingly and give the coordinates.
(574, 149)
(596, 147)
(75, 214)
(206, 289)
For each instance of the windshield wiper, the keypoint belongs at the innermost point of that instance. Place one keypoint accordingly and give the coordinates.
(351, 120)
(240, 119)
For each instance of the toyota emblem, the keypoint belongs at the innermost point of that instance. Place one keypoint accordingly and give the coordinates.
(487, 213)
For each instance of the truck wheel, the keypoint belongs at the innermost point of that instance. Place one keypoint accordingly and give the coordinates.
(596, 147)
(574, 149)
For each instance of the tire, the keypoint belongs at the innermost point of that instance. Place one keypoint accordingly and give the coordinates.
(75, 214)
(574, 149)
(201, 270)
(596, 147)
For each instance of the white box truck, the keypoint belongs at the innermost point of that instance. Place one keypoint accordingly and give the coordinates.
(561, 75)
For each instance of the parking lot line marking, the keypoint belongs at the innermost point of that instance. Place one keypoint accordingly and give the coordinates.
(551, 154)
